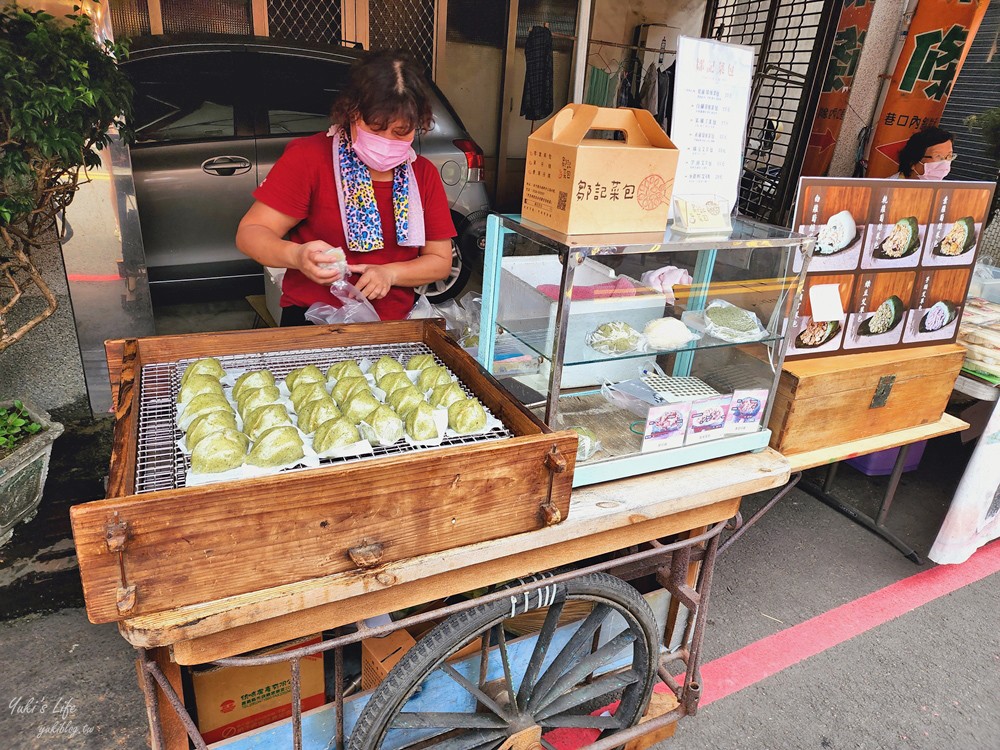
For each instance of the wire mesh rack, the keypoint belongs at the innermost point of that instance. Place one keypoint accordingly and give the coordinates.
(160, 463)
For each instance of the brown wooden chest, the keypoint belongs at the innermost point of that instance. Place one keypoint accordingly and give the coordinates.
(829, 401)
(167, 548)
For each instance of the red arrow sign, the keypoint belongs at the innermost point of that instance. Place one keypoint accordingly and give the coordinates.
(822, 141)
(891, 150)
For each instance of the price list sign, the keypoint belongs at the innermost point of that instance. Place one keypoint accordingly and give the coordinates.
(711, 101)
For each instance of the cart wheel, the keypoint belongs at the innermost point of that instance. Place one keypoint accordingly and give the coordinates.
(564, 680)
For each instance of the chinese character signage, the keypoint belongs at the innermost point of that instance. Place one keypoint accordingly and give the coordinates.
(937, 42)
(898, 253)
(711, 100)
(855, 16)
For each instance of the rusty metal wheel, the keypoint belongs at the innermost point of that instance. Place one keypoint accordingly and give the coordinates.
(536, 684)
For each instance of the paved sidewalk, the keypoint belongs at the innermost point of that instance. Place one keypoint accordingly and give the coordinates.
(929, 679)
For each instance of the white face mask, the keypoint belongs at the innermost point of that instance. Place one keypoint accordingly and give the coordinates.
(935, 170)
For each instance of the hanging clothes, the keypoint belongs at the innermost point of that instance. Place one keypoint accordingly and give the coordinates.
(665, 95)
(597, 86)
(536, 100)
(649, 97)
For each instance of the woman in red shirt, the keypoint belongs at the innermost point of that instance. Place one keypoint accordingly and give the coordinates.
(358, 188)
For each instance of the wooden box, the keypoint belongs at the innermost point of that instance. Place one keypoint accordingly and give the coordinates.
(146, 553)
(826, 402)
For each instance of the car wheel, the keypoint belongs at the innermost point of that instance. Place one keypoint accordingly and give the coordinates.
(454, 283)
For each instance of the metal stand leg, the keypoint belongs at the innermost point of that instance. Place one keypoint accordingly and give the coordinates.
(875, 525)
(792, 481)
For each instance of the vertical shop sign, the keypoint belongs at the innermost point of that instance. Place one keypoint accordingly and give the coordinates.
(855, 17)
(711, 102)
(937, 43)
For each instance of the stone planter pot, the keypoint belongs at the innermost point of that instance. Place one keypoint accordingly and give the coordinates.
(23, 472)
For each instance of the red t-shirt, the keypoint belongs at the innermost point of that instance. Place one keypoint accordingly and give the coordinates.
(301, 185)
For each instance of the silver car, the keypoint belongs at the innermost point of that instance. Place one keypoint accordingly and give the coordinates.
(213, 114)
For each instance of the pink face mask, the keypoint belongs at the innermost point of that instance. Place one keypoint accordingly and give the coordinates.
(935, 170)
(380, 153)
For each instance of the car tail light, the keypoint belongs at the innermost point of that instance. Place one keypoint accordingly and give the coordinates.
(473, 156)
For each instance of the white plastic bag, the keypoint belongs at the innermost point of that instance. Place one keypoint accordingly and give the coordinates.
(355, 307)
(421, 309)
(745, 325)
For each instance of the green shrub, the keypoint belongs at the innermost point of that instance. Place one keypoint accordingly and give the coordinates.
(15, 425)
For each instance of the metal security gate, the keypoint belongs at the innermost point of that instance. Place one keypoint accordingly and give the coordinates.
(412, 25)
(792, 40)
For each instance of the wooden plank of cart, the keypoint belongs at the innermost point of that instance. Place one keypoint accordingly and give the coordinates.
(196, 575)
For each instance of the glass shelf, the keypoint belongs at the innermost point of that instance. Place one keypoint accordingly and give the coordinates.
(539, 341)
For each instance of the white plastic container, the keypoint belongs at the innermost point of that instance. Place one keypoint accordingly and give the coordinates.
(531, 316)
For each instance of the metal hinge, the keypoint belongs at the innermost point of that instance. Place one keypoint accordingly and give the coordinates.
(556, 463)
(116, 536)
(882, 391)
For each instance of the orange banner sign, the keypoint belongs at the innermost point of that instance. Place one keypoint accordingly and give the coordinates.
(936, 46)
(855, 16)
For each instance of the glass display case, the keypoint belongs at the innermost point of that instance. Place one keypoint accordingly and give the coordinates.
(661, 349)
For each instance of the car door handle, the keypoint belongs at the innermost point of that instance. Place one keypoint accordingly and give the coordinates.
(226, 166)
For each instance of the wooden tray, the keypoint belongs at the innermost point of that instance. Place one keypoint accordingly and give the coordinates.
(147, 553)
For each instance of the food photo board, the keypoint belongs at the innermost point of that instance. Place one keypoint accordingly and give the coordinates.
(892, 262)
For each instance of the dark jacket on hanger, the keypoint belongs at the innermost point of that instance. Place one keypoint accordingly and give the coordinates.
(536, 101)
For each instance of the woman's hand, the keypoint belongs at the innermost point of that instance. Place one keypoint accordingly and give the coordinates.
(312, 258)
(375, 281)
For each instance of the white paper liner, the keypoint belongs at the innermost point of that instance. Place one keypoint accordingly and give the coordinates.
(360, 448)
(440, 421)
(369, 434)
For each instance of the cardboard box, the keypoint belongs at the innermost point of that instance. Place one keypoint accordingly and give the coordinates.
(580, 185)
(826, 402)
(379, 655)
(234, 700)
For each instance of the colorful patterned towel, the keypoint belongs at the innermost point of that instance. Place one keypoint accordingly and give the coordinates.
(358, 210)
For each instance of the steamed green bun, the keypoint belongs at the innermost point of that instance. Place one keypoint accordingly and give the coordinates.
(349, 386)
(431, 377)
(466, 416)
(403, 400)
(252, 379)
(420, 424)
(336, 433)
(264, 418)
(316, 412)
(444, 396)
(276, 447)
(394, 381)
(420, 362)
(383, 367)
(208, 366)
(360, 405)
(384, 426)
(253, 398)
(304, 392)
(349, 368)
(307, 374)
(206, 424)
(196, 385)
(220, 451)
(202, 404)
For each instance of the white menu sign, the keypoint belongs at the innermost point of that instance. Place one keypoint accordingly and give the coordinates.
(711, 101)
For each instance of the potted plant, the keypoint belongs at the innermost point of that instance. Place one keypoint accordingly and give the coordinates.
(26, 437)
(62, 97)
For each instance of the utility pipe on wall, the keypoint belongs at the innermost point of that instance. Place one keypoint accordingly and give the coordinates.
(580, 50)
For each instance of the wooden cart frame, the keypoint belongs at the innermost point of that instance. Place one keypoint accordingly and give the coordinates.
(623, 520)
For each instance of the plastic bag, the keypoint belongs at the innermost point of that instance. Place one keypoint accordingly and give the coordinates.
(727, 322)
(615, 337)
(355, 307)
(588, 443)
(421, 309)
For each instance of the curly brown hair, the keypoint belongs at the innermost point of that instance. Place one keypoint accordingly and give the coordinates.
(385, 87)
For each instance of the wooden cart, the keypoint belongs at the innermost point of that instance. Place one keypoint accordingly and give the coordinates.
(195, 575)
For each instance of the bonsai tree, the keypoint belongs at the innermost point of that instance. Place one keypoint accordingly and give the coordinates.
(62, 97)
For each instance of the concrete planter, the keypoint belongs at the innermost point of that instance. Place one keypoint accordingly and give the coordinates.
(23, 472)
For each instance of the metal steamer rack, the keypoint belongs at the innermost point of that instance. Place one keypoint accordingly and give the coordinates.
(160, 463)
